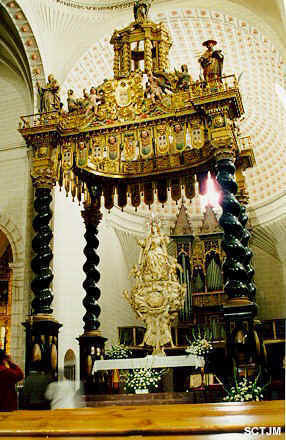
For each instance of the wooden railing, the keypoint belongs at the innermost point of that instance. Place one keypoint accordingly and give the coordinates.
(39, 120)
(201, 88)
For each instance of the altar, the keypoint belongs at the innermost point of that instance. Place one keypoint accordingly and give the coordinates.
(150, 362)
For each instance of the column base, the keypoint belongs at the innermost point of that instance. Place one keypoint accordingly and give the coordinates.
(241, 347)
(239, 309)
(42, 343)
(91, 345)
(93, 333)
(41, 317)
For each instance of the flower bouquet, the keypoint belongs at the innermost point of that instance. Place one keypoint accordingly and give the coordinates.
(201, 344)
(116, 379)
(244, 389)
(143, 379)
(118, 352)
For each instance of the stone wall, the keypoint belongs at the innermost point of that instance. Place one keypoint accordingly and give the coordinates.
(16, 200)
(15, 222)
(271, 285)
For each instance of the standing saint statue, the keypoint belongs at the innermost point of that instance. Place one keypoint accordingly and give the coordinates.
(141, 9)
(211, 61)
(157, 295)
(49, 95)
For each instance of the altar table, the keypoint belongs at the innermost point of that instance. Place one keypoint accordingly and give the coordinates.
(150, 362)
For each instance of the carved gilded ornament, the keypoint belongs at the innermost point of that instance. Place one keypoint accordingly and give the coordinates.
(146, 142)
(67, 155)
(162, 139)
(97, 148)
(113, 142)
(218, 121)
(157, 296)
(242, 193)
(82, 154)
(130, 146)
(123, 93)
(144, 122)
(197, 136)
(179, 143)
(44, 173)
(224, 150)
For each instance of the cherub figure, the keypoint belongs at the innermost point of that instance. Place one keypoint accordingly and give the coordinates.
(84, 101)
(95, 98)
(153, 89)
(183, 78)
(73, 104)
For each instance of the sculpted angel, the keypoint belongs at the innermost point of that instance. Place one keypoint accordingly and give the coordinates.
(153, 89)
(183, 78)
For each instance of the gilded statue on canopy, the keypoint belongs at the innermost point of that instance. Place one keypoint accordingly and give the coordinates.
(211, 61)
(141, 9)
(49, 95)
(157, 295)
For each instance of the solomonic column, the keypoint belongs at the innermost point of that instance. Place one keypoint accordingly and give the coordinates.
(242, 197)
(239, 310)
(91, 341)
(41, 327)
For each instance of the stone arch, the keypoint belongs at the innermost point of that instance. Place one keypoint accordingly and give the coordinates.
(25, 33)
(69, 355)
(15, 238)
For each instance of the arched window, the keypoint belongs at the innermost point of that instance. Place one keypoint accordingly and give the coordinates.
(69, 365)
(5, 291)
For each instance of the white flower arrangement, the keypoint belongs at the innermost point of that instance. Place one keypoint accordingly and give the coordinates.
(118, 352)
(143, 378)
(244, 390)
(201, 344)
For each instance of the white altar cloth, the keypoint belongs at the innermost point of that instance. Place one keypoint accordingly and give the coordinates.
(150, 362)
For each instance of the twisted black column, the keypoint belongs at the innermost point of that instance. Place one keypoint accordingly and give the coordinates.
(243, 218)
(239, 310)
(41, 262)
(91, 342)
(235, 274)
(41, 328)
(92, 217)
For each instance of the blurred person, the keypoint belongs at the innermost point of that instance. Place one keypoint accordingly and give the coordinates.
(35, 386)
(61, 394)
(10, 374)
